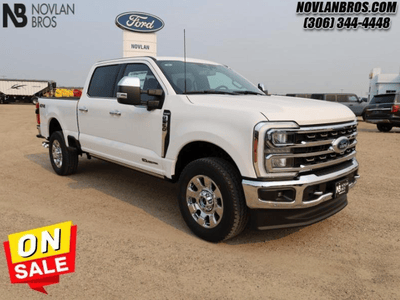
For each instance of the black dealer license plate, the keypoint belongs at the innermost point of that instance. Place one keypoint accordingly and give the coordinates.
(341, 188)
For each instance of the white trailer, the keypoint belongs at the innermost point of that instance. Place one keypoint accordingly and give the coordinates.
(382, 83)
(23, 90)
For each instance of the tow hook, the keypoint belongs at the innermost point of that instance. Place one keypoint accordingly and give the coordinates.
(45, 144)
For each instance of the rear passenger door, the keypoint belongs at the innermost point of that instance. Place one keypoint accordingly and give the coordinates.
(95, 133)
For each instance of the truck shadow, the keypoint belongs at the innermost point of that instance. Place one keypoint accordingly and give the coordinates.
(153, 195)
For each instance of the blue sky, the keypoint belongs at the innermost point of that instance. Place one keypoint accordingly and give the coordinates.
(262, 40)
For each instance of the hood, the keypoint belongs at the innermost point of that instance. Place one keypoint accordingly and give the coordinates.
(277, 108)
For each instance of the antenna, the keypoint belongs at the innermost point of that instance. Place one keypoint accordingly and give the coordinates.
(184, 54)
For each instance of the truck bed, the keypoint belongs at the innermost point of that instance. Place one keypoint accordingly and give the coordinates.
(63, 110)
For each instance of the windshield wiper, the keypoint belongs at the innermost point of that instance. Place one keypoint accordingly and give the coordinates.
(248, 93)
(212, 92)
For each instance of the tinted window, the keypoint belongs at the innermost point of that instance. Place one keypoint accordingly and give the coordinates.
(330, 98)
(383, 99)
(347, 98)
(353, 98)
(318, 96)
(342, 98)
(304, 95)
(146, 76)
(103, 81)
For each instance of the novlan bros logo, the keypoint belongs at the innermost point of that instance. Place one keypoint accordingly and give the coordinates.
(43, 15)
(18, 17)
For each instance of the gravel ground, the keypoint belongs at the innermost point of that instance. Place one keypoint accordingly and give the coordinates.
(133, 244)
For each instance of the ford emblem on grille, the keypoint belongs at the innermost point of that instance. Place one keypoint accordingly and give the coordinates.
(139, 22)
(341, 144)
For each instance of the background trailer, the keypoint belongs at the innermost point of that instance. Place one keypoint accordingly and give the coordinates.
(23, 90)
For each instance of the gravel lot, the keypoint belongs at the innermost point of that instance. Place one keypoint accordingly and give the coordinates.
(133, 243)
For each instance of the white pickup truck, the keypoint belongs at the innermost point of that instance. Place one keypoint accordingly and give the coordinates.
(237, 153)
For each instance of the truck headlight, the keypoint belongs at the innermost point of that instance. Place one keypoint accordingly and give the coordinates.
(283, 162)
(281, 138)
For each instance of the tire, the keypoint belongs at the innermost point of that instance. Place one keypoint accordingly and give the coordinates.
(3, 99)
(363, 116)
(63, 160)
(211, 199)
(384, 127)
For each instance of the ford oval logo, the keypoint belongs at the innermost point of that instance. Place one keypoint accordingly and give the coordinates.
(139, 22)
(341, 144)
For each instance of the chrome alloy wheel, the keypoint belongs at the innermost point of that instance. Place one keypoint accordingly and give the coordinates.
(57, 153)
(204, 201)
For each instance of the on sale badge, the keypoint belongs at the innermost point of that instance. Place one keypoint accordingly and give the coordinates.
(38, 257)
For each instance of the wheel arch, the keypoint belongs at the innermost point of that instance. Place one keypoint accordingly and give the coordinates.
(54, 125)
(199, 149)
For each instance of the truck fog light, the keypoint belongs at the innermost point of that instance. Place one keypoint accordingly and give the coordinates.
(277, 195)
(282, 162)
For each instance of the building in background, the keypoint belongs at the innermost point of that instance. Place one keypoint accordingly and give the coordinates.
(382, 83)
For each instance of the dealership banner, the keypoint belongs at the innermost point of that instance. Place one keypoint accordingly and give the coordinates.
(39, 256)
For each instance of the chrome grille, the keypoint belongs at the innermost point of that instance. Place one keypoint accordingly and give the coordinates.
(309, 148)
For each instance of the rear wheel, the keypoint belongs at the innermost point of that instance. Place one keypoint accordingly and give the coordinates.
(384, 127)
(211, 199)
(63, 160)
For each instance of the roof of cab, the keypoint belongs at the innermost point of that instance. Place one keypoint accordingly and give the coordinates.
(157, 58)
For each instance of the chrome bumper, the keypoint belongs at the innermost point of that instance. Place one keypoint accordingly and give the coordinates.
(253, 201)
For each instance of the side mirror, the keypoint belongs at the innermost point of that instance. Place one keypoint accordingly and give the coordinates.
(261, 87)
(128, 91)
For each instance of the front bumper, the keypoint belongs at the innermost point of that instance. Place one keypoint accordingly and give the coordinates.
(263, 219)
(308, 190)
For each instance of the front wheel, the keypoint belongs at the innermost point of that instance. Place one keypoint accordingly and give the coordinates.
(211, 199)
(384, 127)
(63, 160)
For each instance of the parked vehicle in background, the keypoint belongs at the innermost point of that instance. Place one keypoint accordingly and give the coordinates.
(384, 111)
(236, 152)
(12, 90)
(352, 101)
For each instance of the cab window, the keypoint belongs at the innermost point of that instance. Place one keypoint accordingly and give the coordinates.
(103, 81)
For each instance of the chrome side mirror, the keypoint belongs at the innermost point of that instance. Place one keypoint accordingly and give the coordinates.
(128, 91)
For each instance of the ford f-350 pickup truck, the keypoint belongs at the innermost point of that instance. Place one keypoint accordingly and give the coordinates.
(237, 153)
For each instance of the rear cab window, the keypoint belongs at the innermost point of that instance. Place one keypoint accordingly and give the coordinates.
(391, 98)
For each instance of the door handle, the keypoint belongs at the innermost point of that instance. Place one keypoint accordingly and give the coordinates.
(83, 109)
(115, 113)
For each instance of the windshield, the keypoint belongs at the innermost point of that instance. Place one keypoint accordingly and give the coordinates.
(205, 78)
